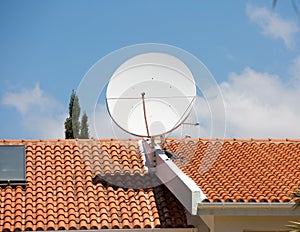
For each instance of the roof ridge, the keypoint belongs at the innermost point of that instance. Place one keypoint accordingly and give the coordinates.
(249, 140)
(257, 140)
(71, 140)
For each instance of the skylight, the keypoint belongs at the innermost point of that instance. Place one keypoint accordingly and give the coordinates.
(12, 165)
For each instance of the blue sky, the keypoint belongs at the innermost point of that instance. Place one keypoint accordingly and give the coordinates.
(253, 52)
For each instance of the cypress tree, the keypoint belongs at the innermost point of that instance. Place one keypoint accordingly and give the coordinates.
(84, 128)
(73, 127)
(75, 114)
(68, 129)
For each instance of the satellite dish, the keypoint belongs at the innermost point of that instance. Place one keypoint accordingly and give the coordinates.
(150, 94)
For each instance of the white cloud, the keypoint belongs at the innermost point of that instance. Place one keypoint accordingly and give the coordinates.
(272, 25)
(295, 69)
(260, 105)
(42, 116)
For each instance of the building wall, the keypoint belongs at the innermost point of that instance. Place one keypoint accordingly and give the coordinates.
(252, 223)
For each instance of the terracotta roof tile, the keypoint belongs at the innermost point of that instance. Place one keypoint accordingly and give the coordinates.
(240, 170)
(74, 184)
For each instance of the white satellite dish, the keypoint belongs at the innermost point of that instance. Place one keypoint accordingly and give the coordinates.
(150, 94)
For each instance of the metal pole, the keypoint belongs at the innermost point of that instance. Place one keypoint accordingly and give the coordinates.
(145, 116)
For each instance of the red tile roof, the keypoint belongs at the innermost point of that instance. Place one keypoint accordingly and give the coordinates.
(242, 170)
(97, 184)
(73, 184)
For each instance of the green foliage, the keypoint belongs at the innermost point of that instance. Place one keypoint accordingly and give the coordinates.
(75, 115)
(84, 130)
(68, 129)
(73, 127)
(73, 94)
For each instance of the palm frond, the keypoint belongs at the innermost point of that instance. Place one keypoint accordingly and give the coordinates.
(296, 9)
(294, 5)
(296, 197)
(295, 226)
(274, 3)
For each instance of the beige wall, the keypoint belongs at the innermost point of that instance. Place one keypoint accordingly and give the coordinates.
(252, 223)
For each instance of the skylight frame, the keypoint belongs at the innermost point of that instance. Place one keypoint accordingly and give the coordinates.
(18, 173)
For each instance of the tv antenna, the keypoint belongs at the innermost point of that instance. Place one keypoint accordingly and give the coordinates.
(151, 94)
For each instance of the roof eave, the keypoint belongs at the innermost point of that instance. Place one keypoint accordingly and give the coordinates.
(247, 209)
(139, 229)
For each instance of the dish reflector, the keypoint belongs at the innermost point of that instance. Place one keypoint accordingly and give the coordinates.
(150, 94)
